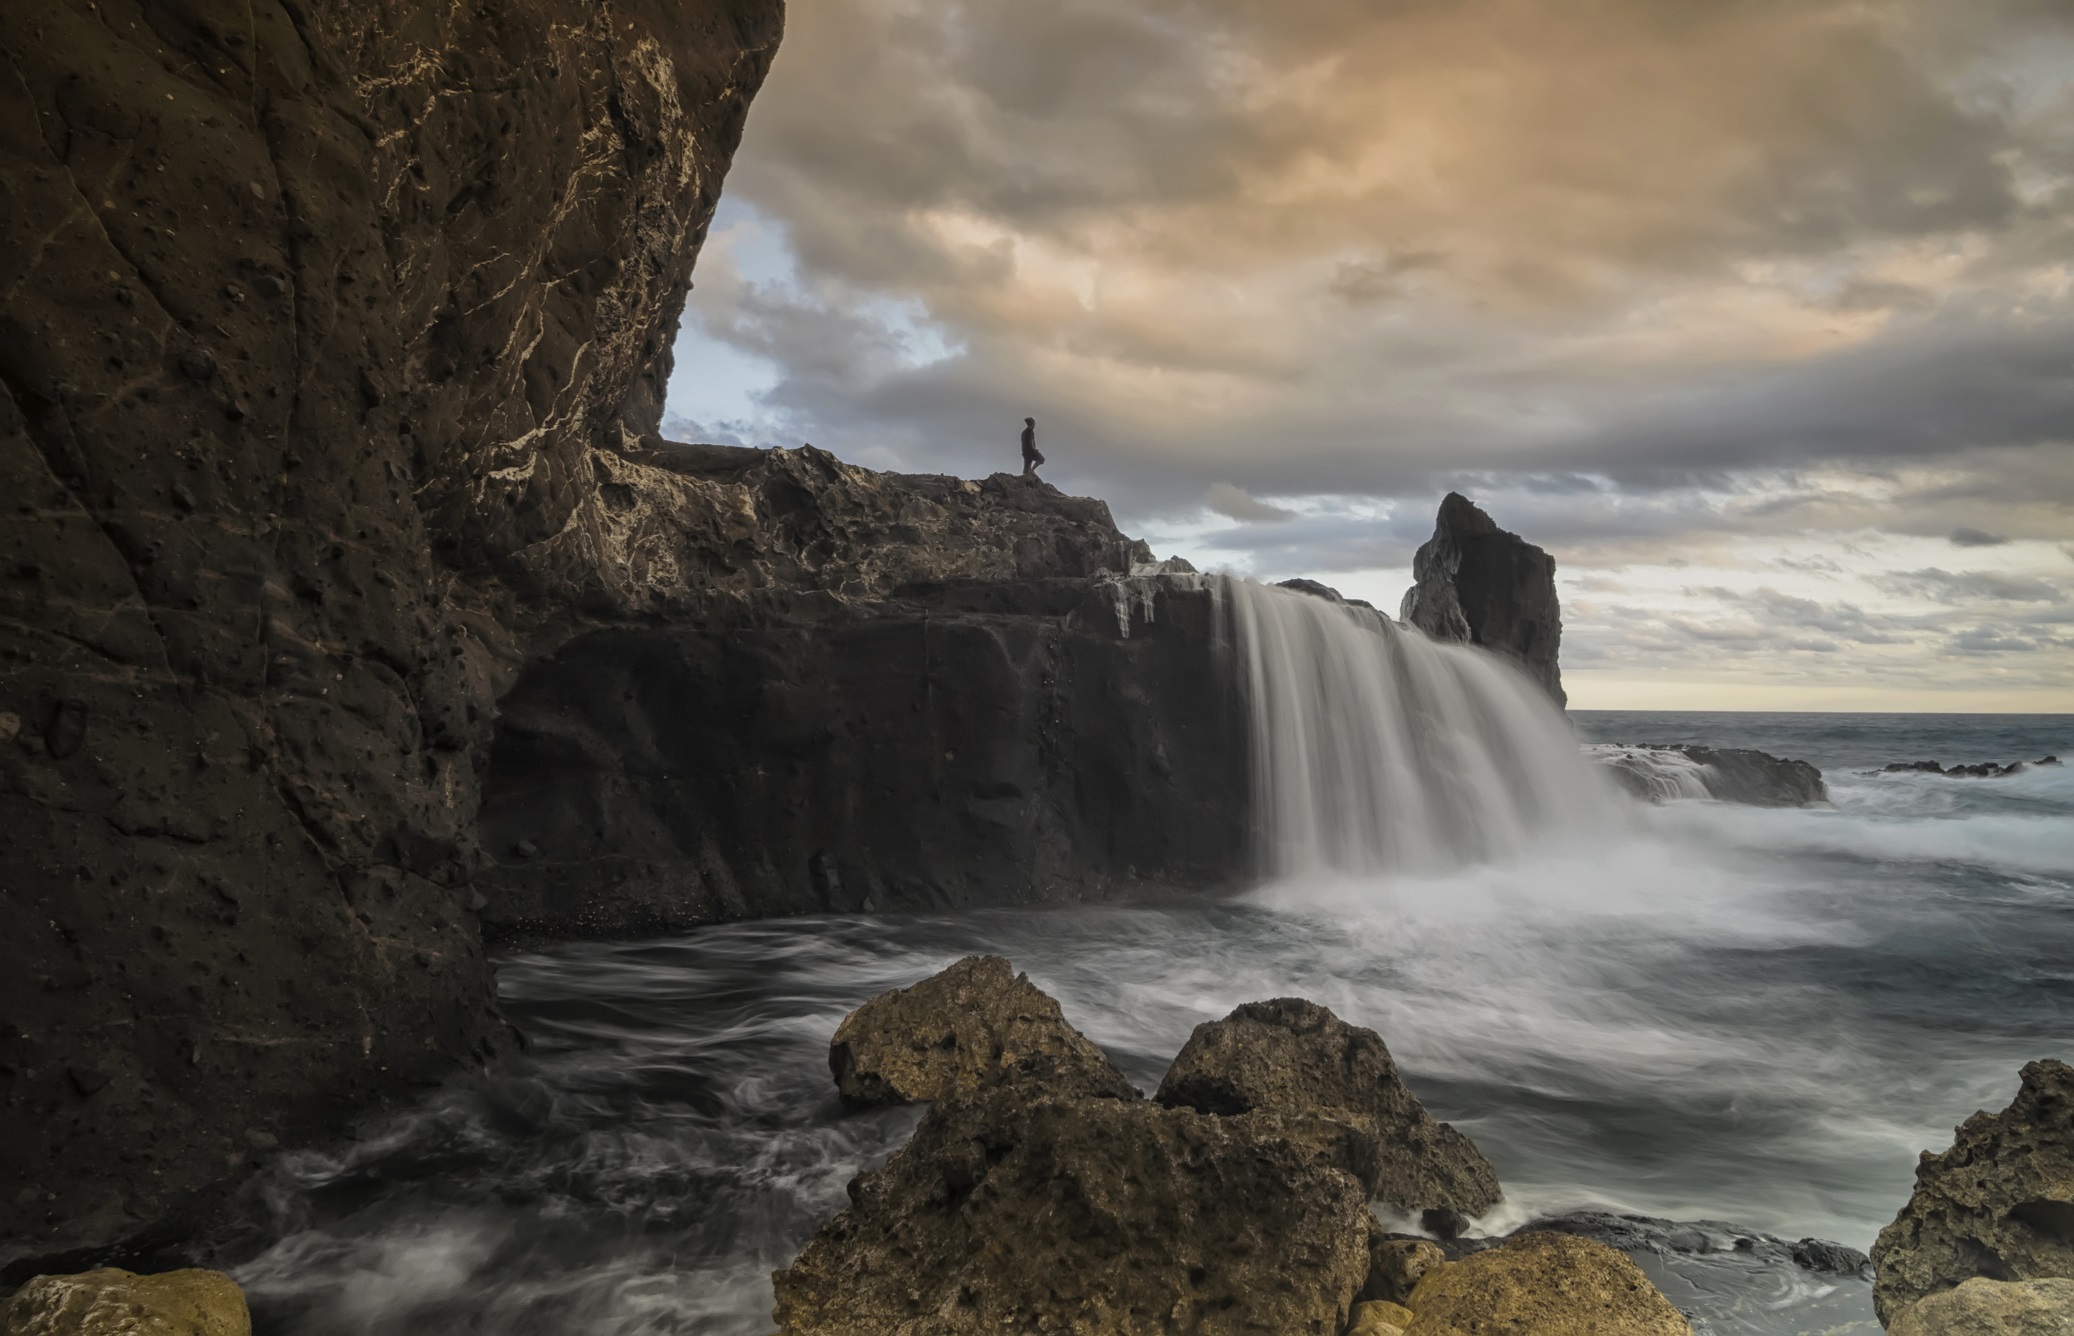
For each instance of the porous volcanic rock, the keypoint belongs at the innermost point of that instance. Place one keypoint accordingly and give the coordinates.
(1477, 583)
(1998, 1204)
(113, 1302)
(973, 1025)
(1982, 1307)
(1539, 1284)
(1291, 1055)
(1013, 1213)
(1397, 1265)
(1379, 1318)
(330, 335)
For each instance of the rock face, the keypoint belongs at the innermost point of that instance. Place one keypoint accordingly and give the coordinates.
(1981, 1307)
(1040, 1193)
(331, 334)
(1477, 583)
(1999, 1204)
(1658, 772)
(1024, 1212)
(975, 1025)
(112, 1302)
(968, 743)
(1539, 1284)
(1290, 1055)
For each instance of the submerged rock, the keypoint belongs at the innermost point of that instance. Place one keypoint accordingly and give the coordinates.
(1293, 1056)
(1999, 1204)
(1479, 584)
(1541, 1284)
(1012, 1213)
(114, 1302)
(975, 1024)
(1982, 1307)
(1978, 770)
(1661, 771)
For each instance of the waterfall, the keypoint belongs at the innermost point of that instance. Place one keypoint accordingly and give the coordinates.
(1379, 750)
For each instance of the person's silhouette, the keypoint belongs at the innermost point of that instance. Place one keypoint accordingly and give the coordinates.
(1032, 456)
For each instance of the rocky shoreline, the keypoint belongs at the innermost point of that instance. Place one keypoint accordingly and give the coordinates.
(1282, 1178)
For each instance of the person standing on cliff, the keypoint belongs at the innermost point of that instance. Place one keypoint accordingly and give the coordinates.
(1032, 456)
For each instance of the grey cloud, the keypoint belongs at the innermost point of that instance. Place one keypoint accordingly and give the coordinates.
(1966, 537)
(1989, 640)
(1234, 503)
(1845, 621)
(1681, 274)
(1969, 586)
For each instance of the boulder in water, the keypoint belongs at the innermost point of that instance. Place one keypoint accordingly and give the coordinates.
(1978, 770)
(1982, 1307)
(1479, 584)
(1293, 1056)
(1013, 1211)
(1998, 1204)
(114, 1302)
(972, 1025)
(1540, 1284)
(1660, 771)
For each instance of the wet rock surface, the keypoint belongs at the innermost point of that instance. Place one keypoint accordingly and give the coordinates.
(1543, 1284)
(1999, 1204)
(1978, 770)
(114, 1302)
(1660, 771)
(1475, 582)
(1290, 1055)
(1981, 1307)
(977, 1024)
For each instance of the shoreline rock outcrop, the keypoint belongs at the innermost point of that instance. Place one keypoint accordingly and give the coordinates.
(1476, 583)
(1978, 770)
(1289, 1055)
(1546, 1285)
(114, 1302)
(975, 1024)
(1658, 772)
(1035, 1195)
(1983, 1307)
(1998, 1205)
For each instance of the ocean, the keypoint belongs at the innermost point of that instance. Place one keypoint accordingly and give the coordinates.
(1702, 1012)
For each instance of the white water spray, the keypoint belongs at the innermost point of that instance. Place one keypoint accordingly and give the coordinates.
(1379, 750)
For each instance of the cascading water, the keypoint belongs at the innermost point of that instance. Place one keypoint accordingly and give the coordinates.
(1379, 750)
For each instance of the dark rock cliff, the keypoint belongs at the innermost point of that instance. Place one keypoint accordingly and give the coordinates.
(330, 332)
(1477, 583)
(971, 743)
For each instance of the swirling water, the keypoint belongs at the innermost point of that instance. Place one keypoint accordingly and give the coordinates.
(1704, 1012)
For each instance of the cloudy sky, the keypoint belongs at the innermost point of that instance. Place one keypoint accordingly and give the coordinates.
(1758, 314)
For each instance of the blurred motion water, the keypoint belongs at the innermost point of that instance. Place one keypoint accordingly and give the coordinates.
(1739, 1014)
